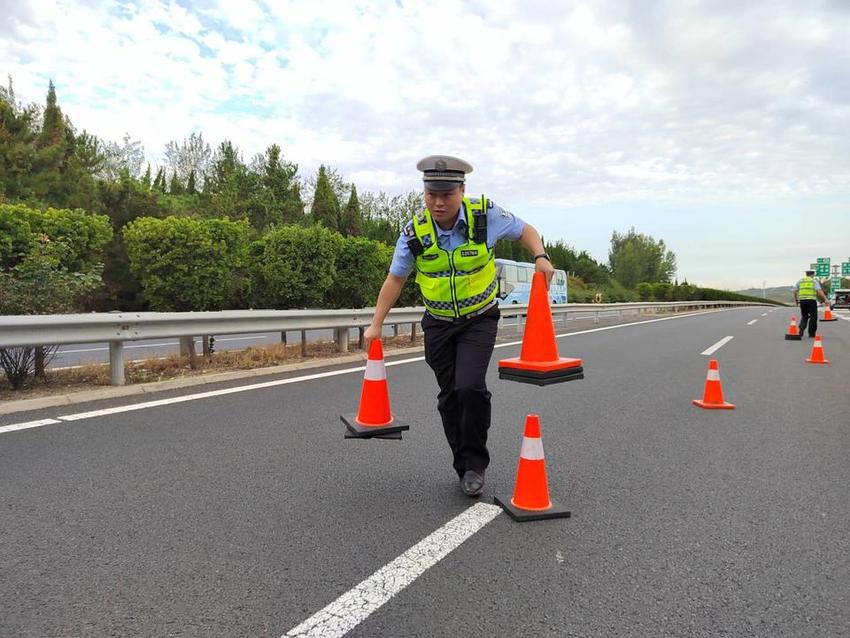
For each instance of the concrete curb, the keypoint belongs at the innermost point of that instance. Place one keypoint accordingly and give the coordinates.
(113, 392)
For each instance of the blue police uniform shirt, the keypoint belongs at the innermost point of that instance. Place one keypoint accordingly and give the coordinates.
(501, 224)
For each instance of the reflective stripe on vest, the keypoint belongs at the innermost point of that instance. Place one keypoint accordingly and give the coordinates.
(806, 289)
(455, 282)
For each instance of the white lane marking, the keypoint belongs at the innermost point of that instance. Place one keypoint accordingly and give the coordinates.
(764, 315)
(749, 323)
(310, 377)
(354, 606)
(708, 351)
(27, 425)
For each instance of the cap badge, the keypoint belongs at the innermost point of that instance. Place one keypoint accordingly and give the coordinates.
(440, 165)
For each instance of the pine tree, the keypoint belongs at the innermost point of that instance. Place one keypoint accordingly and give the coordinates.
(175, 187)
(53, 124)
(352, 218)
(325, 208)
(159, 180)
(190, 184)
(146, 180)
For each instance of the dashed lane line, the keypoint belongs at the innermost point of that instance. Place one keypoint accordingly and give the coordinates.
(310, 377)
(749, 323)
(717, 346)
(354, 606)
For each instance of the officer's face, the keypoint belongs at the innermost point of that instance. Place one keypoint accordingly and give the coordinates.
(444, 205)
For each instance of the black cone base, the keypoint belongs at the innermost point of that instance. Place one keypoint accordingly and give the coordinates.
(833, 319)
(393, 436)
(522, 516)
(793, 337)
(358, 431)
(536, 377)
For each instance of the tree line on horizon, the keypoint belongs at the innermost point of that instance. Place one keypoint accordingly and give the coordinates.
(208, 230)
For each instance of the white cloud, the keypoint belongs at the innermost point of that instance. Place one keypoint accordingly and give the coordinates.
(557, 105)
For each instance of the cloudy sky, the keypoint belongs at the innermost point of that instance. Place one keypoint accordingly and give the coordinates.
(722, 130)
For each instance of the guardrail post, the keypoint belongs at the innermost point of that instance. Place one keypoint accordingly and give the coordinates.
(187, 348)
(303, 343)
(116, 363)
(360, 338)
(619, 315)
(341, 339)
(395, 329)
(413, 333)
(283, 337)
(596, 317)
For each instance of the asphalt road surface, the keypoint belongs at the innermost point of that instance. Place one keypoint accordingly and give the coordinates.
(240, 510)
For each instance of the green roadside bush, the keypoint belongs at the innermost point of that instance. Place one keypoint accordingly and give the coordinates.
(361, 266)
(187, 263)
(293, 267)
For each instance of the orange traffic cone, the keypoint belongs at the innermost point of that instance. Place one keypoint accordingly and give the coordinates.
(530, 501)
(538, 361)
(712, 398)
(374, 417)
(817, 352)
(827, 314)
(793, 334)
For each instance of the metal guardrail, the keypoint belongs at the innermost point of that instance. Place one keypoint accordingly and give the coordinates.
(119, 327)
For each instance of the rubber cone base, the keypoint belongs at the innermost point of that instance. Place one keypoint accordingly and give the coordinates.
(824, 362)
(541, 377)
(359, 431)
(833, 319)
(392, 436)
(714, 406)
(521, 515)
(793, 337)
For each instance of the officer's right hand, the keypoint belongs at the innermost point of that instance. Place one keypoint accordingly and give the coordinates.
(372, 332)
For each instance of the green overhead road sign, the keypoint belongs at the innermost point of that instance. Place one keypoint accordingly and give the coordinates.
(822, 270)
(834, 283)
(845, 268)
(823, 260)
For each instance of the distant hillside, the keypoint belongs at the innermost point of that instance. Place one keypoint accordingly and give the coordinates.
(782, 293)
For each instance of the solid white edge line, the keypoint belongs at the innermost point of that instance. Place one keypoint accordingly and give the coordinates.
(707, 351)
(27, 425)
(310, 377)
(354, 606)
(749, 323)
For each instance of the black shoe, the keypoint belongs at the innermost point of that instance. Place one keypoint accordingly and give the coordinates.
(472, 483)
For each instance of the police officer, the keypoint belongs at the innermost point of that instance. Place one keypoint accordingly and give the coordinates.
(451, 247)
(806, 293)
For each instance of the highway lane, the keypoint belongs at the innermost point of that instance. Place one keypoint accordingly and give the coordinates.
(247, 513)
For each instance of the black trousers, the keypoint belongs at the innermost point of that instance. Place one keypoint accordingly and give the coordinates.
(459, 353)
(809, 315)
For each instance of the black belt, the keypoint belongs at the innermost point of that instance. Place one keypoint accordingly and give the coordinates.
(471, 315)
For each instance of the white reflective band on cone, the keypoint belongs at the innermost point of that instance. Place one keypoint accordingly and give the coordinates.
(817, 344)
(532, 449)
(713, 375)
(375, 370)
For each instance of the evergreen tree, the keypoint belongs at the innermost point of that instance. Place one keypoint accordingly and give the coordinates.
(159, 180)
(279, 179)
(325, 210)
(53, 124)
(351, 222)
(17, 146)
(175, 187)
(146, 180)
(190, 184)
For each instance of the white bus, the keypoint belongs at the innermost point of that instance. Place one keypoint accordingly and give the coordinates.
(514, 279)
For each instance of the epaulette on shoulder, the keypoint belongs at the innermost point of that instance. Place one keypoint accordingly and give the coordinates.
(408, 231)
